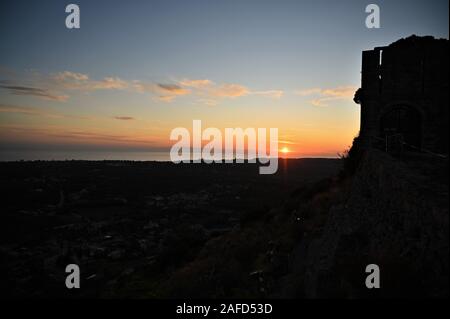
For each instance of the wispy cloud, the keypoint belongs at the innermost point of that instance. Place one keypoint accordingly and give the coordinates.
(275, 94)
(166, 98)
(287, 142)
(67, 75)
(124, 118)
(324, 96)
(72, 134)
(58, 87)
(208, 90)
(208, 102)
(212, 92)
(228, 90)
(34, 91)
(198, 84)
(57, 134)
(323, 101)
(27, 110)
(167, 92)
(18, 109)
(343, 92)
(78, 81)
(109, 83)
(307, 92)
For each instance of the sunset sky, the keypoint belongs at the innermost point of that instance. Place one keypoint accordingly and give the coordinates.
(137, 69)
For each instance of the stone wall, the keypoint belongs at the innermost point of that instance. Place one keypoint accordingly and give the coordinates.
(394, 215)
(411, 72)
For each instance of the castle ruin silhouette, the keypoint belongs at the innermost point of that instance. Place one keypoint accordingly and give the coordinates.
(404, 94)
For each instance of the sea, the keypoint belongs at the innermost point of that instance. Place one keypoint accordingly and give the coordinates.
(64, 155)
(28, 155)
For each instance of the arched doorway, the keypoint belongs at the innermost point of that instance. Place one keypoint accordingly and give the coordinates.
(405, 122)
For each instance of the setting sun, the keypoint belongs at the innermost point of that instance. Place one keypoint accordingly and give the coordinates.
(284, 150)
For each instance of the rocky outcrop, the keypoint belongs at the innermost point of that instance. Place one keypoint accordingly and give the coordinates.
(395, 215)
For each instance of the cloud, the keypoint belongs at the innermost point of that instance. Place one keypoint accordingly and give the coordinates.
(287, 142)
(63, 82)
(18, 109)
(78, 81)
(66, 81)
(67, 75)
(275, 94)
(168, 92)
(166, 98)
(164, 92)
(198, 84)
(33, 91)
(343, 92)
(142, 87)
(173, 89)
(207, 89)
(208, 102)
(229, 90)
(109, 83)
(321, 102)
(26, 110)
(212, 91)
(124, 118)
(328, 95)
(57, 135)
(308, 91)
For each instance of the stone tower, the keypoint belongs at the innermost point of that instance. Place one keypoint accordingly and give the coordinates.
(404, 92)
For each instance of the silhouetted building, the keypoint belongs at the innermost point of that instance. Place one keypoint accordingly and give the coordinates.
(404, 94)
